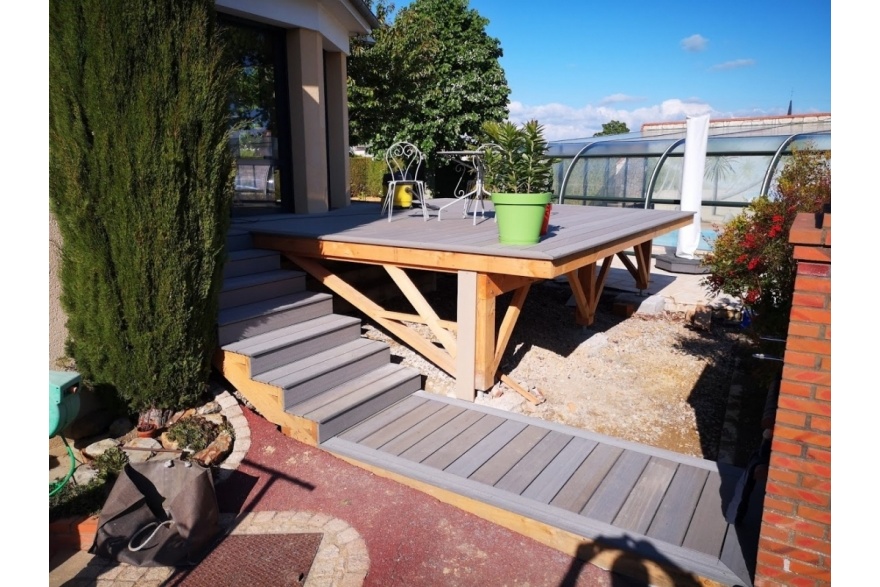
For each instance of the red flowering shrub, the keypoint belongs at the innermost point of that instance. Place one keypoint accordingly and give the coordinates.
(752, 258)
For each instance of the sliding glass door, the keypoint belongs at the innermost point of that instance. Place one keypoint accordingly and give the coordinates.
(259, 117)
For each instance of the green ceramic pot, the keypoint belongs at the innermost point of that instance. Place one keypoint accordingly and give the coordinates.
(520, 216)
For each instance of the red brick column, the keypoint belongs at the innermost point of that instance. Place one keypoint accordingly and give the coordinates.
(795, 543)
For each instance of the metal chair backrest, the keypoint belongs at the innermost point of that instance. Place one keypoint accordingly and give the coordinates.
(404, 161)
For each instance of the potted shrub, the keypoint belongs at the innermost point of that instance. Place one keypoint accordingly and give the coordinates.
(519, 177)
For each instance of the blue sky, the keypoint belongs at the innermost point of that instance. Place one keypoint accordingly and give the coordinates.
(576, 64)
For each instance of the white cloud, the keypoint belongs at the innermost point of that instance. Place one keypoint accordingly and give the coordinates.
(616, 98)
(562, 121)
(735, 64)
(694, 43)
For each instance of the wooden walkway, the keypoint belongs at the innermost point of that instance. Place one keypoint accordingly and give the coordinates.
(595, 497)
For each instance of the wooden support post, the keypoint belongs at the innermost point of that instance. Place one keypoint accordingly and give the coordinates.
(484, 347)
(465, 368)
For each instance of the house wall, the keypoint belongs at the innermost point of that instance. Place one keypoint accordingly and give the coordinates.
(795, 542)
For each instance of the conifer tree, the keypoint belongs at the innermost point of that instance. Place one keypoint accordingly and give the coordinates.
(140, 183)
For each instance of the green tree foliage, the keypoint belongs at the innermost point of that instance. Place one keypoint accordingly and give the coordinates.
(615, 127)
(431, 78)
(752, 258)
(141, 186)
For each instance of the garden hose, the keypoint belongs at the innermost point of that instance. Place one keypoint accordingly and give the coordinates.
(59, 485)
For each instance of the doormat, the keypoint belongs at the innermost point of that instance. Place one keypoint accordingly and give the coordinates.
(253, 559)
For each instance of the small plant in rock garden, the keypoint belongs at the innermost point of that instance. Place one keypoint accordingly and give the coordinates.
(752, 258)
(195, 432)
(88, 499)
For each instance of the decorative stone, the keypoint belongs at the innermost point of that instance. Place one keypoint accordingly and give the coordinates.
(96, 449)
(139, 456)
(209, 408)
(85, 475)
(167, 442)
(216, 451)
(217, 419)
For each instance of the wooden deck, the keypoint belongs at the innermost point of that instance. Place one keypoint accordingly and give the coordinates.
(621, 505)
(470, 349)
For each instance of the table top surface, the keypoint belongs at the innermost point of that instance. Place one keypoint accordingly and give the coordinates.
(460, 153)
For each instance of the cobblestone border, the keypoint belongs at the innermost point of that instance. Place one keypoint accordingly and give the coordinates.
(342, 559)
(231, 410)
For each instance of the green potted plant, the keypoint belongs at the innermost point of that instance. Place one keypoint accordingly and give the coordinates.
(519, 179)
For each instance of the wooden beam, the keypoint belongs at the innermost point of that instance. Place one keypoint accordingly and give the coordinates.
(418, 301)
(375, 312)
(587, 288)
(416, 319)
(508, 323)
(522, 390)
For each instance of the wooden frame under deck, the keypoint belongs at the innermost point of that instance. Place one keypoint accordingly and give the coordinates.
(469, 349)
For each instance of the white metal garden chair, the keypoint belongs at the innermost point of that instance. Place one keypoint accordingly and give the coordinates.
(404, 162)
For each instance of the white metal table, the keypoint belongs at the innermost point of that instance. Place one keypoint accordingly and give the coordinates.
(468, 160)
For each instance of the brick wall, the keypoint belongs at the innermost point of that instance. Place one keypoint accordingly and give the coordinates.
(795, 543)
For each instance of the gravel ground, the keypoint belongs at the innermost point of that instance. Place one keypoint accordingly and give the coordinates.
(656, 379)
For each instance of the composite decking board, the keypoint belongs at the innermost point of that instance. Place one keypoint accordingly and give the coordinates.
(427, 426)
(581, 486)
(326, 363)
(405, 422)
(641, 505)
(433, 235)
(686, 559)
(270, 306)
(608, 498)
(446, 454)
(474, 457)
(429, 444)
(708, 526)
(368, 386)
(317, 407)
(299, 332)
(386, 416)
(596, 237)
(555, 475)
(589, 435)
(532, 464)
(670, 523)
(501, 462)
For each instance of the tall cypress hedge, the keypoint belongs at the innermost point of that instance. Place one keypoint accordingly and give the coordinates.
(141, 185)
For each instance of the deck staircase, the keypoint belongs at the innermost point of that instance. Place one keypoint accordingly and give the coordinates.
(639, 510)
(303, 367)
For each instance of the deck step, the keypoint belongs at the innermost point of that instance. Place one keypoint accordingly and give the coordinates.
(248, 320)
(322, 371)
(256, 287)
(292, 343)
(348, 404)
(246, 261)
(238, 239)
